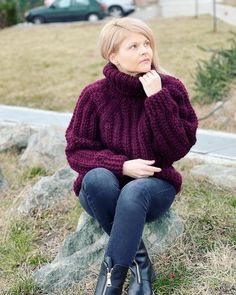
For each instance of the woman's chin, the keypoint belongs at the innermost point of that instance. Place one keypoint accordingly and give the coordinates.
(145, 68)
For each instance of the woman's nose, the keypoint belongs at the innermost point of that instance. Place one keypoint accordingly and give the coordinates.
(143, 50)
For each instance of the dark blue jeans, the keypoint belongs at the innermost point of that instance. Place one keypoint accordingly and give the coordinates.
(123, 209)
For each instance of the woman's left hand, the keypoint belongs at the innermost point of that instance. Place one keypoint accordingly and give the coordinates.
(151, 82)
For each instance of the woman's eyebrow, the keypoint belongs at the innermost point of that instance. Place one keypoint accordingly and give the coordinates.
(132, 42)
(135, 42)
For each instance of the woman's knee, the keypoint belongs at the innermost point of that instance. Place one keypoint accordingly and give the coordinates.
(98, 179)
(135, 191)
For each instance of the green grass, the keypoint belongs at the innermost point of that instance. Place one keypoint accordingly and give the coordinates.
(33, 172)
(27, 242)
(37, 259)
(24, 286)
(171, 279)
(16, 247)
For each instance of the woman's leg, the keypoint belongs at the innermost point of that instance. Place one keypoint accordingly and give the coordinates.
(141, 200)
(98, 196)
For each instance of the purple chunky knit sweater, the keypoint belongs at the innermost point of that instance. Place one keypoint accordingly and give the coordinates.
(114, 121)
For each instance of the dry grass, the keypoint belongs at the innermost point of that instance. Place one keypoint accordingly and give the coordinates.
(224, 118)
(47, 66)
(230, 2)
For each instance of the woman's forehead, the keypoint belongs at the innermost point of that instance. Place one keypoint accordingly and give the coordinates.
(130, 37)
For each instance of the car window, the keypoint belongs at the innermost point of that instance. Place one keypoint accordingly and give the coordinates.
(79, 2)
(62, 3)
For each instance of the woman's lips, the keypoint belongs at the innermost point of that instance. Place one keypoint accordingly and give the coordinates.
(145, 61)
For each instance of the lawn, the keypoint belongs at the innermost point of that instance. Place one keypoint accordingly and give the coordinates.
(47, 66)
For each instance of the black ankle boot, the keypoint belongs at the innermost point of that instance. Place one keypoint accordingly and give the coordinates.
(142, 273)
(111, 278)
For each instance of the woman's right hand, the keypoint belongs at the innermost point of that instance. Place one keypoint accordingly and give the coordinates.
(139, 168)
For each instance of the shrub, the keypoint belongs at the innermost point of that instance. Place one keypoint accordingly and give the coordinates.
(8, 13)
(214, 77)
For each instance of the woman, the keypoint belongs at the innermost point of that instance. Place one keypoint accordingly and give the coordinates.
(126, 131)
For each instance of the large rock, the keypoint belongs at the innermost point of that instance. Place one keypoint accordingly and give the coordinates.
(84, 250)
(46, 148)
(48, 191)
(15, 135)
(219, 175)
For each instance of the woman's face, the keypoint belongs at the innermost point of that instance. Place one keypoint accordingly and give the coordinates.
(134, 55)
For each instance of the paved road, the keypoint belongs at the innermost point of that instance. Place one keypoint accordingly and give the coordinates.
(211, 145)
(173, 8)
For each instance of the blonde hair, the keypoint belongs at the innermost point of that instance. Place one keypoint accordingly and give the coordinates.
(114, 32)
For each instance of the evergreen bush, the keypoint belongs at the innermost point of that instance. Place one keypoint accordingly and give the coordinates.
(8, 13)
(214, 77)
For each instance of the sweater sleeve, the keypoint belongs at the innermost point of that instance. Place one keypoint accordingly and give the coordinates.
(84, 151)
(172, 121)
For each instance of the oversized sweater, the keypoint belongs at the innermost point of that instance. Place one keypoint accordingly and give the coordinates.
(114, 121)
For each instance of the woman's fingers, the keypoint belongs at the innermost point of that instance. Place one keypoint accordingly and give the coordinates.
(149, 162)
(152, 169)
(142, 80)
(150, 75)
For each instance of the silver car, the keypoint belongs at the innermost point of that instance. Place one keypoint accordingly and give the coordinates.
(119, 8)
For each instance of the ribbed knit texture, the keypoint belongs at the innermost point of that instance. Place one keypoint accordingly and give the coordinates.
(114, 121)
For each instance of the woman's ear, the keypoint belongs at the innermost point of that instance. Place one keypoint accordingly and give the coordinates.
(112, 59)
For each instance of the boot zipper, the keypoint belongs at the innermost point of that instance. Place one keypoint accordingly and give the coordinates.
(138, 272)
(108, 281)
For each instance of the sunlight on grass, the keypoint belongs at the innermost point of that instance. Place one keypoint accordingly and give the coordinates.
(47, 66)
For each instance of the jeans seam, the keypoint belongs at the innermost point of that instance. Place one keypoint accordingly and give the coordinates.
(147, 192)
(93, 207)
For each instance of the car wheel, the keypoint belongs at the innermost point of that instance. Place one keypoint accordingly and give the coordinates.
(38, 20)
(93, 17)
(116, 11)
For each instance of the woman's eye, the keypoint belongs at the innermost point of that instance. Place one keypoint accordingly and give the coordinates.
(147, 43)
(133, 46)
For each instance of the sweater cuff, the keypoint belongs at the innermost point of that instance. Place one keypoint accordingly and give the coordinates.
(162, 99)
(115, 164)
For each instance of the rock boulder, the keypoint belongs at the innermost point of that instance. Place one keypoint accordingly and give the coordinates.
(46, 148)
(47, 191)
(83, 250)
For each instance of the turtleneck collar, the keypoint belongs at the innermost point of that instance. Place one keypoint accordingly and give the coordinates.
(123, 82)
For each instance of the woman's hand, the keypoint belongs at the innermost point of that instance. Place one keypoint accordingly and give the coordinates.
(151, 82)
(139, 168)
